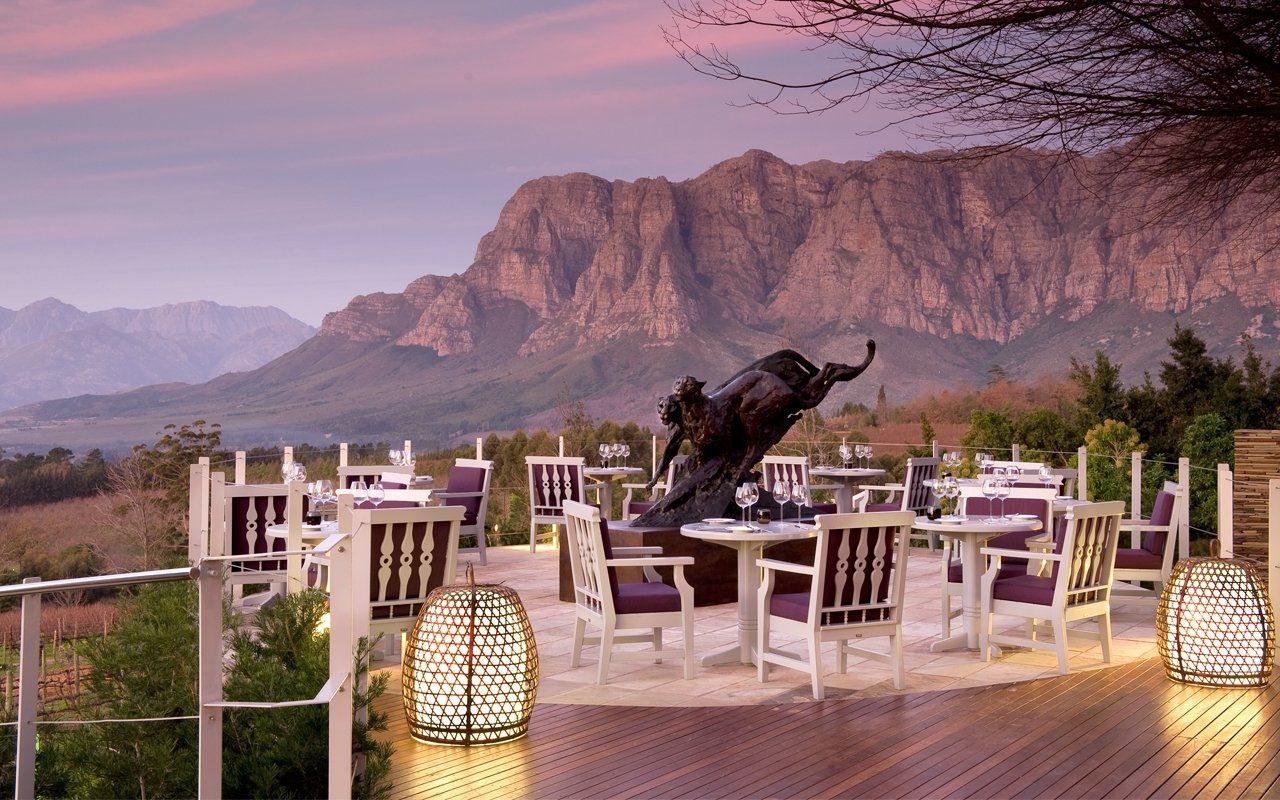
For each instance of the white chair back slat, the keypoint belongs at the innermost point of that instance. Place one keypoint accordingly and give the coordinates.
(787, 468)
(411, 543)
(862, 558)
(1089, 545)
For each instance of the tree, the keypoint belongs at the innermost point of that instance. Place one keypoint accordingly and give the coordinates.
(1044, 434)
(1208, 441)
(1175, 89)
(988, 430)
(1109, 445)
(1101, 393)
(882, 406)
(996, 374)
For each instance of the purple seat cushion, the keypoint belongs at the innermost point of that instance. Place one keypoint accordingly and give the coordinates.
(1009, 567)
(1025, 589)
(387, 504)
(466, 479)
(645, 598)
(790, 606)
(1161, 514)
(884, 507)
(640, 506)
(1137, 559)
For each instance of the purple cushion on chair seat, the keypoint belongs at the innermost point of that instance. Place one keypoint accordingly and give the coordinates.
(1025, 589)
(884, 507)
(646, 598)
(790, 606)
(640, 506)
(1137, 559)
(1009, 567)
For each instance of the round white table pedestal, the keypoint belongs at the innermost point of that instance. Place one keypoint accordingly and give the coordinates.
(846, 481)
(970, 536)
(749, 546)
(604, 478)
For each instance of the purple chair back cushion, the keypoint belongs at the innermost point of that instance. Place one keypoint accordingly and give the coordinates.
(250, 517)
(1161, 514)
(552, 485)
(424, 546)
(608, 554)
(1013, 505)
(366, 504)
(466, 479)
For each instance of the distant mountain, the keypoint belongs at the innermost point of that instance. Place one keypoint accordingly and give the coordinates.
(604, 291)
(50, 349)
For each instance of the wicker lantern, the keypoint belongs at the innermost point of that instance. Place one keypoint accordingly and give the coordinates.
(1214, 624)
(470, 670)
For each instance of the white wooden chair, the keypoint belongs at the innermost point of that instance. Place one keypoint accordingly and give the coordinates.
(632, 508)
(1149, 556)
(857, 581)
(601, 601)
(1077, 587)
(792, 469)
(1067, 484)
(239, 516)
(553, 480)
(910, 495)
(468, 488)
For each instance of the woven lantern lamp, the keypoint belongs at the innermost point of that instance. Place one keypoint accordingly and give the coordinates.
(1214, 624)
(470, 672)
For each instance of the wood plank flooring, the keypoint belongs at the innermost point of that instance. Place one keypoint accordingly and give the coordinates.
(1122, 732)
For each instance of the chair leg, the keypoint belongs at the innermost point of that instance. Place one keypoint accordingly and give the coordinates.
(657, 643)
(1031, 628)
(480, 543)
(899, 667)
(946, 613)
(533, 536)
(842, 656)
(1060, 643)
(815, 666)
(579, 633)
(1104, 636)
(606, 648)
(687, 616)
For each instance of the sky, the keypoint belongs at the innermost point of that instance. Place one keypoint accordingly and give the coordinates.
(297, 154)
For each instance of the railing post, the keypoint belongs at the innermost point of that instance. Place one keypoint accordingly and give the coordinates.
(1273, 540)
(1184, 497)
(341, 659)
(209, 616)
(408, 448)
(215, 541)
(1082, 473)
(288, 454)
(935, 449)
(479, 448)
(1016, 451)
(562, 447)
(342, 455)
(1135, 485)
(198, 513)
(1226, 513)
(240, 467)
(24, 784)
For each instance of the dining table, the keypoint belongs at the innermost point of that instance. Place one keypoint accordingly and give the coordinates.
(970, 533)
(749, 540)
(846, 479)
(603, 479)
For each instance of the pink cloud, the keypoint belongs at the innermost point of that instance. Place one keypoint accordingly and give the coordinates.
(49, 27)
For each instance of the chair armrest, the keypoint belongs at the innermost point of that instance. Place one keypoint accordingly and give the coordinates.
(634, 485)
(891, 488)
(650, 561)
(784, 566)
(1142, 525)
(1039, 547)
(632, 552)
(1007, 553)
(447, 493)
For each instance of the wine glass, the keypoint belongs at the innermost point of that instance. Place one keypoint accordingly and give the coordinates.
(752, 492)
(781, 490)
(286, 470)
(626, 452)
(603, 450)
(359, 491)
(377, 493)
(1046, 475)
(951, 490)
(867, 450)
(1002, 491)
(990, 491)
(846, 455)
(740, 498)
(799, 496)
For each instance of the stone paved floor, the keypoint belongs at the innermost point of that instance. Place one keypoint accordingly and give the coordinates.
(644, 683)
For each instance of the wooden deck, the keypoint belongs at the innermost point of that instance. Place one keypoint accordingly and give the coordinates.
(1122, 732)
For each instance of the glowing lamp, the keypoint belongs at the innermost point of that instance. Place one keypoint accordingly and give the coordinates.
(1214, 624)
(470, 672)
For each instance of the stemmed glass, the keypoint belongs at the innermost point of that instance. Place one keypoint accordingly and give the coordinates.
(799, 496)
(377, 493)
(626, 452)
(1002, 491)
(603, 450)
(866, 451)
(951, 491)
(359, 491)
(293, 471)
(740, 498)
(990, 491)
(781, 494)
(1046, 475)
(752, 492)
(846, 455)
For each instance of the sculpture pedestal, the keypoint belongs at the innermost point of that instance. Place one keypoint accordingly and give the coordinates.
(714, 574)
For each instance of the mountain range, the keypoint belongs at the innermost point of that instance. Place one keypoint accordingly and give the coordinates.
(605, 290)
(50, 349)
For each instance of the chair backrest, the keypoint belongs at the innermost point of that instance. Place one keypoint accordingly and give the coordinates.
(1026, 467)
(247, 511)
(860, 568)
(791, 469)
(408, 552)
(470, 475)
(552, 481)
(1089, 541)
(594, 587)
(677, 465)
(1164, 510)
(917, 496)
(400, 480)
(1068, 484)
(370, 474)
(1035, 500)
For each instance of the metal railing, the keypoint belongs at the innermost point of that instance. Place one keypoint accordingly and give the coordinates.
(209, 573)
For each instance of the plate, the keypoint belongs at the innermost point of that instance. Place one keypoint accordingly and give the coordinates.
(718, 520)
(1024, 516)
(951, 521)
(741, 529)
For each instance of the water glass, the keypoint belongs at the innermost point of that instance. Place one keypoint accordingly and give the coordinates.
(990, 492)
(740, 498)
(359, 491)
(781, 494)
(753, 493)
(1002, 491)
(846, 455)
(377, 493)
(799, 496)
